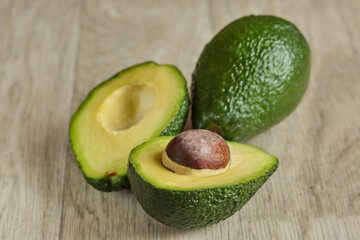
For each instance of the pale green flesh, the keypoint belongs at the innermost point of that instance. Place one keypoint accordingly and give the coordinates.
(247, 163)
(126, 111)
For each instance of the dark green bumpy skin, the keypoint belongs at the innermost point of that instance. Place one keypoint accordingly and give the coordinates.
(109, 184)
(193, 208)
(118, 182)
(249, 77)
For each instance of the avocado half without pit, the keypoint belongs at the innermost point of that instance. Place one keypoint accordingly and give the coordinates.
(134, 106)
(196, 178)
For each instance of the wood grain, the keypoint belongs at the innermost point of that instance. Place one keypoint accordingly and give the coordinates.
(53, 52)
(38, 48)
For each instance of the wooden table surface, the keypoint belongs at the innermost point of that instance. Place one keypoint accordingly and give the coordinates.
(53, 52)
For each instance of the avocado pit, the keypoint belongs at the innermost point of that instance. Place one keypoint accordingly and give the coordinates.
(197, 153)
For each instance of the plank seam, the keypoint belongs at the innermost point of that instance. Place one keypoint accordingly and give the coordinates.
(77, 39)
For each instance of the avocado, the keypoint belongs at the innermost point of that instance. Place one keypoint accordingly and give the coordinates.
(249, 77)
(135, 105)
(187, 201)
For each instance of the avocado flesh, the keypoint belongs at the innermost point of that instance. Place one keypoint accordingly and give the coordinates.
(249, 77)
(185, 201)
(137, 104)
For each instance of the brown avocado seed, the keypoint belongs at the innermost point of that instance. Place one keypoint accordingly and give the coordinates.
(197, 152)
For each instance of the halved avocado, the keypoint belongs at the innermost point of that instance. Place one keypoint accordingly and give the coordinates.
(135, 105)
(185, 201)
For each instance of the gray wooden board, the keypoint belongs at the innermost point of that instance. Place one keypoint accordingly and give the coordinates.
(53, 52)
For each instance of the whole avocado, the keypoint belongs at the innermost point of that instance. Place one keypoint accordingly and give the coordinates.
(249, 77)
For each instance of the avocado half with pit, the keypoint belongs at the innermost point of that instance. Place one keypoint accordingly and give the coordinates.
(193, 200)
(137, 104)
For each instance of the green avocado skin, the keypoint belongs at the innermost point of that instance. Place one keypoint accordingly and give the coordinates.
(177, 123)
(249, 77)
(109, 184)
(193, 208)
(118, 182)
